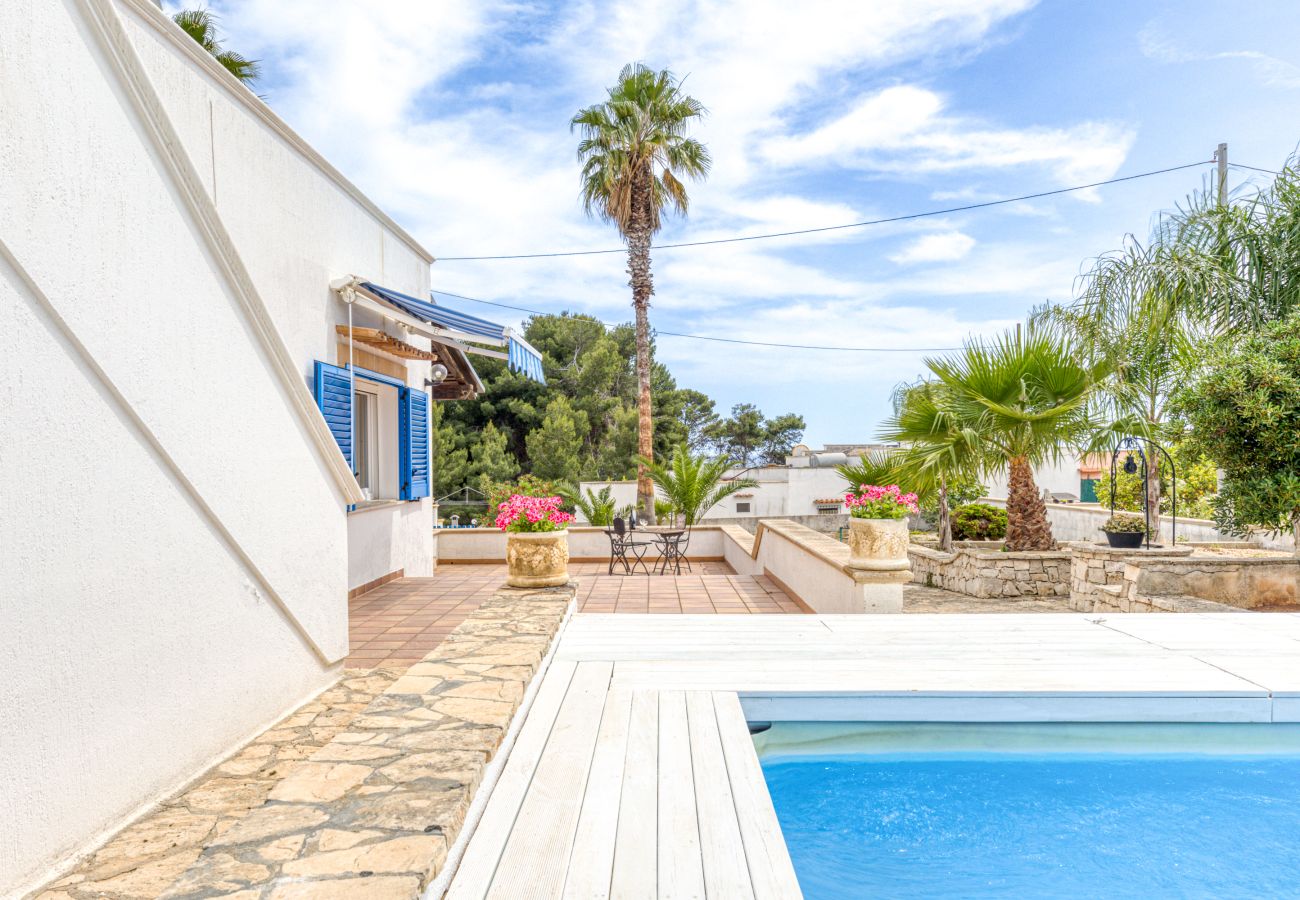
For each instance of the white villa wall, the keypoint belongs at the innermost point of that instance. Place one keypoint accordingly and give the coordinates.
(388, 536)
(1059, 477)
(176, 544)
(297, 228)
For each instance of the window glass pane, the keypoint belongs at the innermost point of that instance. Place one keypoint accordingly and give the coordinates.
(361, 412)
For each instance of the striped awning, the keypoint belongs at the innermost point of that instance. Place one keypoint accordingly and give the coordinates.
(520, 355)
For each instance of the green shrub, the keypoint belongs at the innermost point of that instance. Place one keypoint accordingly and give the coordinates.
(979, 522)
(1125, 523)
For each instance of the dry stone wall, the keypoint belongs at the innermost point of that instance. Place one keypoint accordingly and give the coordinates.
(981, 569)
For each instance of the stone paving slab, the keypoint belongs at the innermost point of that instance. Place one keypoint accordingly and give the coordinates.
(369, 810)
(144, 859)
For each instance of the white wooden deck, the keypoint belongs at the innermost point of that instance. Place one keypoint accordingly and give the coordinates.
(634, 774)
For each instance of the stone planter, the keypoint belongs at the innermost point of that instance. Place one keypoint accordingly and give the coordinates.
(878, 545)
(537, 559)
(1126, 540)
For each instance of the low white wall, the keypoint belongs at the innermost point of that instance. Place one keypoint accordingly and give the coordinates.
(586, 543)
(388, 537)
(812, 566)
(1082, 522)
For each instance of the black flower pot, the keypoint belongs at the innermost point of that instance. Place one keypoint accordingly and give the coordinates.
(1125, 540)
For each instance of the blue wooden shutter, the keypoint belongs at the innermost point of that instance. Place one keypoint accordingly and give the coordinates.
(414, 427)
(334, 397)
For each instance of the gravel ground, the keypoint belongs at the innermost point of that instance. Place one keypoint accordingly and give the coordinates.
(918, 598)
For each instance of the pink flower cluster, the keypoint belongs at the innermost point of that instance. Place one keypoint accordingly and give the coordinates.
(876, 502)
(520, 513)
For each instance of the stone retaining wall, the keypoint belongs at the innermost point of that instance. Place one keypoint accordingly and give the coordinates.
(1104, 579)
(981, 569)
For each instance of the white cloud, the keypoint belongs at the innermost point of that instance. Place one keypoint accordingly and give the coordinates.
(903, 129)
(1270, 70)
(944, 246)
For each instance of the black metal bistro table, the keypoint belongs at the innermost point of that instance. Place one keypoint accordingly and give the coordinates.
(672, 542)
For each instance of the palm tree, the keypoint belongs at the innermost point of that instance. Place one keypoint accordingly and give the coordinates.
(1139, 313)
(201, 25)
(598, 508)
(1250, 245)
(634, 150)
(1024, 400)
(694, 484)
(940, 450)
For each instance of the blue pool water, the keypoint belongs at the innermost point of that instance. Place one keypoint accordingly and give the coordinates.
(1074, 812)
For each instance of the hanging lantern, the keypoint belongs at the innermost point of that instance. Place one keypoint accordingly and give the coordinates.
(1130, 465)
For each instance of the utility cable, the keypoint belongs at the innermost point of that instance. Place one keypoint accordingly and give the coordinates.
(721, 340)
(780, 234)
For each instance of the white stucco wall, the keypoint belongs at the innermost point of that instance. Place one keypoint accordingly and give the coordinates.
(389, 537)
(488, 545)
(176, 548)
(1059, 477)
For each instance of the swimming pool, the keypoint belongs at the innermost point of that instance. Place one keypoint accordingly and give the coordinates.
(1059, 810)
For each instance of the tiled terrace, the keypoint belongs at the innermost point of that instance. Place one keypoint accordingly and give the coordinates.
(400, 622)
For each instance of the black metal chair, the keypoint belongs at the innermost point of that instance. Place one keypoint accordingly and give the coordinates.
(622, 543)
(673, 547)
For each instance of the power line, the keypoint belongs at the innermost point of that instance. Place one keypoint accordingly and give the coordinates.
(721, 340)
(1233, 165)
(885, 221)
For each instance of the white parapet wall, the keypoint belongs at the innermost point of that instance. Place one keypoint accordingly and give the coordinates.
(587, 543)
(812, 566)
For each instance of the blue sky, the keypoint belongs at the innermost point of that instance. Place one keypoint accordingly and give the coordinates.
(454, 117)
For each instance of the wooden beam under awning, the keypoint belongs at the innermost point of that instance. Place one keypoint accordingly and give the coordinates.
(382, 340)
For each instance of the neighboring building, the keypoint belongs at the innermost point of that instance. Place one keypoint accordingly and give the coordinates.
(1071, 480)
(807, 485)
(174, 266)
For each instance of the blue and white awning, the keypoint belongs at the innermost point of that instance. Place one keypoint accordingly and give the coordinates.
(520, 355)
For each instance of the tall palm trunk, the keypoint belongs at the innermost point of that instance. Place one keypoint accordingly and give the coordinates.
(1027, 525)
(638, 268)
(945, 517)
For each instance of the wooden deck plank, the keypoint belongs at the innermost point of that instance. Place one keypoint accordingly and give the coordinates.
(770, 870)
(536, 854)
(653, 788)
(479, 865)
(591, 862)
(680, 869)
(635, 853)
(722, 850)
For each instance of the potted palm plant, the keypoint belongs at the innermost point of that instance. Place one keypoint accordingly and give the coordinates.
(1125, 530)
(878, 527)
(693, 485)
(537, 544)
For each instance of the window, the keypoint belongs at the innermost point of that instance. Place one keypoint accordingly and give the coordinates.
(365, 439)
(382, 429)
(742, 506)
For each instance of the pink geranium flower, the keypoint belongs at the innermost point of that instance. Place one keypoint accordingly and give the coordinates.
(880, 502)
(521, 513)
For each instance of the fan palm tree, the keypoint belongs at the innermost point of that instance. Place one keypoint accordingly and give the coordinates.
(634, 151)
(1023, 399)
(694, 484)
(940, 450)
(201, 25)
